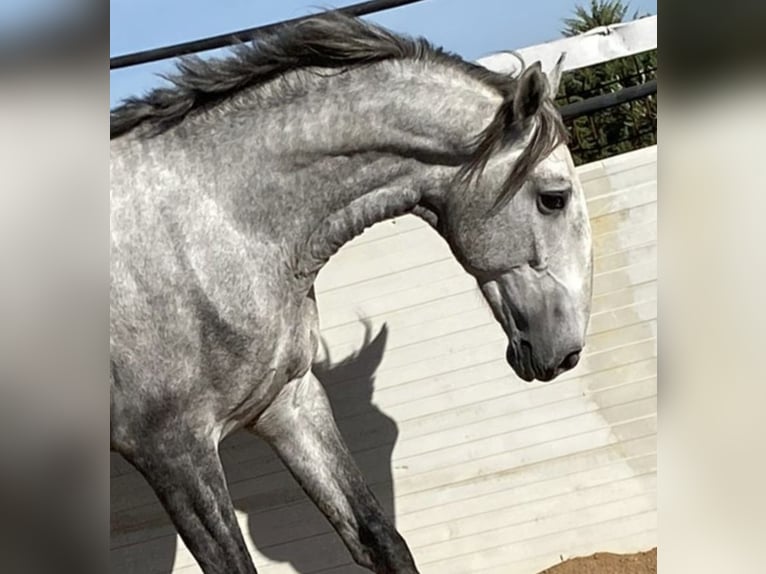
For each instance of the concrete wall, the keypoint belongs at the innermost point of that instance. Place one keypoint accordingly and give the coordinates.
(483, 472)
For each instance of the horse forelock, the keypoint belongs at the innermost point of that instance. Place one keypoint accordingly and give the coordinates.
(547, 133)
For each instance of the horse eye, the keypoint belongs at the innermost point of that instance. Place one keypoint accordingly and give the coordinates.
(552, 201)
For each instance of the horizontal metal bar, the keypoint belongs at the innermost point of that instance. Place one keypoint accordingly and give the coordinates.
(605, 101)
(246, 35)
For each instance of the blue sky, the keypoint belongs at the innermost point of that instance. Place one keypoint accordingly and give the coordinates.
(472, 28)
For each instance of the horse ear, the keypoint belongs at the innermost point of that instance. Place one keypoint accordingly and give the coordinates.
(531, 90)
(554, 77)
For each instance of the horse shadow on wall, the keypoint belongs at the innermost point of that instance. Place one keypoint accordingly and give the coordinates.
(282, 522)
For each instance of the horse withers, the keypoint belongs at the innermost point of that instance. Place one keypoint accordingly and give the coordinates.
(233, 187)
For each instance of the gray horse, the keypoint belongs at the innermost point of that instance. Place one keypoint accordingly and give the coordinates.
(232, 188)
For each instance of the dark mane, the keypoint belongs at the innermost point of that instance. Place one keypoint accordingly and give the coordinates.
(328, 40)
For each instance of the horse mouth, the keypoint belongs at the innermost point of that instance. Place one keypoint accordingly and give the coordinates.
(525, 360)
(519, 352)
(519, 357)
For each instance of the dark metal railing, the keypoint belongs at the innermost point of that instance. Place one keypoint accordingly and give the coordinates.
(606, 101)
(231, 38)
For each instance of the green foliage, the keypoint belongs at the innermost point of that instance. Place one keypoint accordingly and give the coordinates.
(600, 13)
(621, 128)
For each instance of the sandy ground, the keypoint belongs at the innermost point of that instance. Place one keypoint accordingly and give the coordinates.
(606, 563)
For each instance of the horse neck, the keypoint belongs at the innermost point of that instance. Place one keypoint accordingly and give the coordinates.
(368, 145)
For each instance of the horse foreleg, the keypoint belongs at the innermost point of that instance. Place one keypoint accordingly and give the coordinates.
(300, 427)
(186, 474)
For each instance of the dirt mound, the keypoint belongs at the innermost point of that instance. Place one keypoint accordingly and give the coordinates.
(607, 563)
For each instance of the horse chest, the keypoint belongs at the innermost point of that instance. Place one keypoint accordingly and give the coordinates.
(280, 351)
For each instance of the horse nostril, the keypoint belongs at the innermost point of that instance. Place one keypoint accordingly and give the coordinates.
(526, 349)
(571, 360)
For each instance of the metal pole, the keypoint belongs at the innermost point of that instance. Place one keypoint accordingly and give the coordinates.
(605, 101)
(246, 35)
